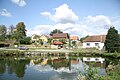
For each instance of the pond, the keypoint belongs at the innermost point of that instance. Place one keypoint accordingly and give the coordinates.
(49, 67)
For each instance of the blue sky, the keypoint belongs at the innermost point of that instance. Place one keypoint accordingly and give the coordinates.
(77, 17)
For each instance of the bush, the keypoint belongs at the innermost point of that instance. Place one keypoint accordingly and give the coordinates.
(1, 44)
(25, 40)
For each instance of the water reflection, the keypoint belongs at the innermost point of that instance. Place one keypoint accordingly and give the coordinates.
(44, 68)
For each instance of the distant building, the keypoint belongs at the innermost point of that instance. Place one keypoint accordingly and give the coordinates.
(74, 38)
(59, 36)
(96, 41)
(44, 38)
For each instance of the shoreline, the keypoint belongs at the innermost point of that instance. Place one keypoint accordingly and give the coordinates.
(11, 52)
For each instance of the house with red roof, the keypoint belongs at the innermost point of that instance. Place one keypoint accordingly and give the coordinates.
(60, 36)
(74, 38)
(96, 41)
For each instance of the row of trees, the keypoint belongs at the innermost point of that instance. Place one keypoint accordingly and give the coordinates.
(17, 33)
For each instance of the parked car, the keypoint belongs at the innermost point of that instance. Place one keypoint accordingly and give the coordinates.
(23, 48)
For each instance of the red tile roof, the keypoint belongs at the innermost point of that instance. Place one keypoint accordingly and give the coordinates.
(57, 42)
(60, 35)
(74, 38)
(96, 38)
(47, 36)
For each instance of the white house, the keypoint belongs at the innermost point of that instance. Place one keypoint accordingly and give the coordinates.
(96, 41)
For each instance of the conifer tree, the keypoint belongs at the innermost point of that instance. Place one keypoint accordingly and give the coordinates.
(112, 42)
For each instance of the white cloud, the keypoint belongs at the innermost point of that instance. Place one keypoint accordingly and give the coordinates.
(97, 24)
(73, 29)
(4, 12)
(19, 2)
(47, 14)
(91, 25)
(63, 14)
(40, 29)
(66, 19)
(99, 21)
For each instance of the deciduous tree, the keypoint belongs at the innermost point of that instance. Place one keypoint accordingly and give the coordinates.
(55, 31)
(50, 41)
(21, 29)
(3, 31)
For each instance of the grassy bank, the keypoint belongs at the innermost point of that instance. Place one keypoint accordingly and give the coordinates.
(11, 53)
(94, 52)
(80, 52)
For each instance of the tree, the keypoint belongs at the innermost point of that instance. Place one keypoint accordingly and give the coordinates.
(26, 40)
(50, 41)
(10, 32)
(21, 29)
(112, 42)
(3, 31)
(55, 31)
(73, 43)
(16, 36)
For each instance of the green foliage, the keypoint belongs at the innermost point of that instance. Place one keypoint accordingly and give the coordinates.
(74, 43)
(1, 44)
(21, 31)
(2, 38)
(26, 40)
(55, 31)
(3, 32)
(62, 40)
(112, 42)
(114, 74)
(90, 74)
(16, 36)
(50, 41)
(16, 43)
(10, 32)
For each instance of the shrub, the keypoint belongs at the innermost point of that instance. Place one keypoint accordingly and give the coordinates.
(25, 40)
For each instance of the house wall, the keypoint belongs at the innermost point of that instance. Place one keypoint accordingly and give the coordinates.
(92, 45)
(43, 38)
(57, 39)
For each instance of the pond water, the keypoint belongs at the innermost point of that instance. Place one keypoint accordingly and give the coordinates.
(48, 67)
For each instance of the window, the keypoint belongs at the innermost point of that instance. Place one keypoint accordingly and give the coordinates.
(88, 44)
(88, 58)
(96, 44)
(97, 59)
